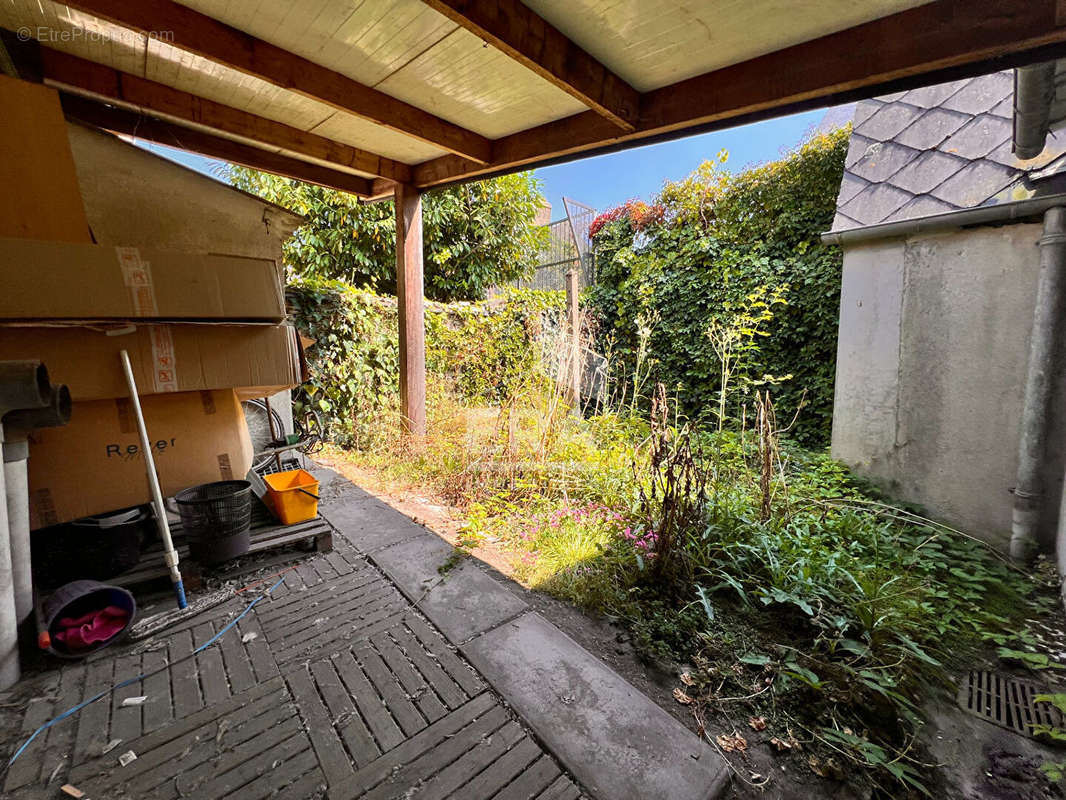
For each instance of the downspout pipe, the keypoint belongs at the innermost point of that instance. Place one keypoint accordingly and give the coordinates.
(1047, 330)
(1034, 92)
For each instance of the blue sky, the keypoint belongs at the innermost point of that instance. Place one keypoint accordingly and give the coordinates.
(606, 181)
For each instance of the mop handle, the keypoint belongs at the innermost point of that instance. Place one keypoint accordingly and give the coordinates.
(169, 553)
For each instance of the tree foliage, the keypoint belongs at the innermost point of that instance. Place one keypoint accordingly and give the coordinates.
(476, 236)
(702, 248)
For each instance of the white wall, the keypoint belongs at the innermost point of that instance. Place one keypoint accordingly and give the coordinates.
(931, 364)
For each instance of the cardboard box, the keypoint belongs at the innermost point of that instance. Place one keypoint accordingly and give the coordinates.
(60, 281)
(95, 463)
(261, 359)
(41, 197)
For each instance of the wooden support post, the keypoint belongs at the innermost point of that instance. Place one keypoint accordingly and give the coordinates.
(409, 308)
(574, 361)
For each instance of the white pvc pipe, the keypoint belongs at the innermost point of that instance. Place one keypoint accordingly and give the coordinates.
(9, 637)
(170, 555)
(18, 520)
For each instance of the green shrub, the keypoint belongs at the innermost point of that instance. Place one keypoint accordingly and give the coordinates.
(485, 350)
(477, 235)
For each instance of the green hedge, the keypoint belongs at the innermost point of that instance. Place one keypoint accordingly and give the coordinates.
(703, 247)
(484, 350)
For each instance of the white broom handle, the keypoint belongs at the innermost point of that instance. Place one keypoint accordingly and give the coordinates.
(149, 461)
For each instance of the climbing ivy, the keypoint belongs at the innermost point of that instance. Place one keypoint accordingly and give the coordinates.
(704, 246)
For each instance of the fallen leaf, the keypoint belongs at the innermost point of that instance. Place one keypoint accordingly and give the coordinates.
(826, 769)
(757, 723)
(731, 743)
(687, 679)
(681, 697)
(780, 744)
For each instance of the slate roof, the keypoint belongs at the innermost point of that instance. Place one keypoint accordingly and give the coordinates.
(937, 149)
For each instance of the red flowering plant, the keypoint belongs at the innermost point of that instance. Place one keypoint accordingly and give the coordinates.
(604, 218)
(637, 213)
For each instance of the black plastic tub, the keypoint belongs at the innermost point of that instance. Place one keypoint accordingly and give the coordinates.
(98, 548)
(216, 518)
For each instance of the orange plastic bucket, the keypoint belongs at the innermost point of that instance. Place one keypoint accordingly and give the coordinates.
(294, 495)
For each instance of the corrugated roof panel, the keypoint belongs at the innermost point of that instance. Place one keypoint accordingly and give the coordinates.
(471, 84)
(367, 41)
(359, 132)
(69, 31)
(652, 43)
(88, 37)
(199, 76)
(196, 75)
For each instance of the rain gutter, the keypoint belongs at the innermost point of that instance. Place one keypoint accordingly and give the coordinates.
(1018, 211)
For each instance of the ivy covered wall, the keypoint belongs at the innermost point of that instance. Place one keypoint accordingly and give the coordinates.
(698, 254)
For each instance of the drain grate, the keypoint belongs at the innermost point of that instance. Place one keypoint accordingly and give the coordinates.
(1006, 701)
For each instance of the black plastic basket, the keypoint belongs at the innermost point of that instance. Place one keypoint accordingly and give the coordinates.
(216, 517)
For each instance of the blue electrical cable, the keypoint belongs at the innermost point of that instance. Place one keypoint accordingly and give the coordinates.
(128, 681)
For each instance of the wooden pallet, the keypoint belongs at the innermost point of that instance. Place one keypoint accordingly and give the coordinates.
(266, 534)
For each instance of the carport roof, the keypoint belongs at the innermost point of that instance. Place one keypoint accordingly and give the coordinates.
(428, 92)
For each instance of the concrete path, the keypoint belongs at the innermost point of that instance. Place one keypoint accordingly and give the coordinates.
(617, 742)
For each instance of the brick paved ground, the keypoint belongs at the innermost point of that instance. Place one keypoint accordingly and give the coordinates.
(335, 683)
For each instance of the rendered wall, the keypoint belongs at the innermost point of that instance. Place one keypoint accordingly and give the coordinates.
(931, 364)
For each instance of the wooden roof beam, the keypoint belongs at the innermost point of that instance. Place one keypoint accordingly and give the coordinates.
(204, 36)
(119, 120)
(72, 73)
(967, 36)
(511, 27)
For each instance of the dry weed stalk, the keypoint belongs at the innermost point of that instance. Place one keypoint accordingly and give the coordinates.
(677, 490)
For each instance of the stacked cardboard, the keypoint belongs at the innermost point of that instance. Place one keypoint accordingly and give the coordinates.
(202, 330)
(95, 463)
